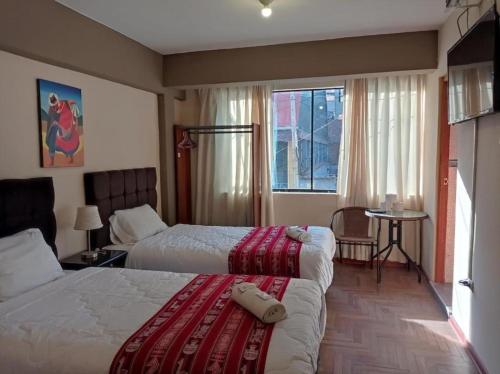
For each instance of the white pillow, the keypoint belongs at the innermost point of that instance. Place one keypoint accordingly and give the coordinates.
(26, 262)
(131, 225)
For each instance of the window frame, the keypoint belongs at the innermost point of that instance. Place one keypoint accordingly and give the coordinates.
(312, 90)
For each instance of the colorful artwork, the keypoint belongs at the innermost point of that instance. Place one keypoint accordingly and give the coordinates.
(60, 116)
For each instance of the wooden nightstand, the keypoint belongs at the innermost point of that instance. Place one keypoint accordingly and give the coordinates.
(107, 258)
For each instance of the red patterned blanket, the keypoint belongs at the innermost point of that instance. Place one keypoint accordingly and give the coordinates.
(201, 330)
(268, 251)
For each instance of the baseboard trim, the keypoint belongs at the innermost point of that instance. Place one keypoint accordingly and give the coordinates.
(468, 346)
(442, 304)
(435, 295)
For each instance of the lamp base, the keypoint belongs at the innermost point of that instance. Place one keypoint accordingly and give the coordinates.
(89, 255)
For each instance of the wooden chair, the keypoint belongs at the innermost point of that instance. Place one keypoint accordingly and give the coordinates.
(356, 226)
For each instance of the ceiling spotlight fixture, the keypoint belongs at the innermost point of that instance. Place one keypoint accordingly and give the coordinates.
(266, 11)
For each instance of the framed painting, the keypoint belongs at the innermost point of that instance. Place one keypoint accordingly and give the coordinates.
(60, 117)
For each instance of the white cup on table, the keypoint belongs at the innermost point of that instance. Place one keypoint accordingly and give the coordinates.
(390, 199)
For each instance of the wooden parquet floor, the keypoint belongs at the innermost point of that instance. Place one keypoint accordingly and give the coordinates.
(396, 327)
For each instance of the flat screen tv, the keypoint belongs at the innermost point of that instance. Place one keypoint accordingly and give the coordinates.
(473, 71)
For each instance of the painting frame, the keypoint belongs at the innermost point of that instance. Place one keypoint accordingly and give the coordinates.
(60, 125)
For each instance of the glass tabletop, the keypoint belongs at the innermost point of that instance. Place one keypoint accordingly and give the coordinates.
(405, 215)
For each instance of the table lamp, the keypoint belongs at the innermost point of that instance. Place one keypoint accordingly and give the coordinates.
(87, 219)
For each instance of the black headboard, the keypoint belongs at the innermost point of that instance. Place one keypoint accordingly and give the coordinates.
(118, 189)
(28, 203)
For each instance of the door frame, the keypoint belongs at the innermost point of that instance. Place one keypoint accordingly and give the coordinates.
(442, 182)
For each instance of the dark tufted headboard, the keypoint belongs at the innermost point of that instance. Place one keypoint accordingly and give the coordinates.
(28, 203)
(118, 189)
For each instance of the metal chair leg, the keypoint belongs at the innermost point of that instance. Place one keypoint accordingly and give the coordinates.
(379, 273)
(371, 256)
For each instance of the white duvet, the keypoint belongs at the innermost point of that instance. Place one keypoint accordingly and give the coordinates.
(76, 324)
(205, 249)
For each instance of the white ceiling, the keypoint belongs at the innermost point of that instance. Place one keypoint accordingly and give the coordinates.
(172, 26)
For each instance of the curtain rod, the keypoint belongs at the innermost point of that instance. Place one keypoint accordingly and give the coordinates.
(218, 132)
(188, 143)
(214, 128)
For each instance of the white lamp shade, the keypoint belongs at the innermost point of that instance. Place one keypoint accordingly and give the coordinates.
(87, 218)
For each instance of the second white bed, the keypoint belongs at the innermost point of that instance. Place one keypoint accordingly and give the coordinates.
(77, 323)
(205, 249)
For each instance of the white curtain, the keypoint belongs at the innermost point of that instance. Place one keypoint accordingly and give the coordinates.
(262, 116)
(352, 185)
(203, 159)
(223, 191)
(381, 149)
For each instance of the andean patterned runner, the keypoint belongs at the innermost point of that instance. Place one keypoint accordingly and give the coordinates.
(266, 250)
(201, 330)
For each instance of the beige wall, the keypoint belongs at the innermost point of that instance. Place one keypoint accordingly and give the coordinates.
(476, 312)
(336, 57)
(314, 209)
(294, 66)
(120, 131)
(448, 35)
(187, 111)
(484, 309)
(47, 31)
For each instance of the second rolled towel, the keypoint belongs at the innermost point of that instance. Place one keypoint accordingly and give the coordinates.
(260, 304)
(299, 234)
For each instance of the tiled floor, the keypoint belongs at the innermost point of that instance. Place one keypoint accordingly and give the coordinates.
(396, 327)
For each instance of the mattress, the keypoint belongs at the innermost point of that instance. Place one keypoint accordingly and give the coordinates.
(205, 249)
(76, 324)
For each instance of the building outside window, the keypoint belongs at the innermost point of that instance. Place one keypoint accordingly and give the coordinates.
(307, 127)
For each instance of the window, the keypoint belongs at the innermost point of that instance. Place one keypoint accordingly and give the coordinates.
(307, 126)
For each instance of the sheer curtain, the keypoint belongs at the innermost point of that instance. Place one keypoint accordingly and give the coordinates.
(353, 161)
(223, 194)
(262, 116)
(382, 148)
(203, 158)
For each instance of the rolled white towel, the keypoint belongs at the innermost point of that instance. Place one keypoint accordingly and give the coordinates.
(260, 304)
(299, 234)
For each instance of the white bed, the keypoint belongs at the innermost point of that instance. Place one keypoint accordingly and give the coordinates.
(205, 249)
(77, 323)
